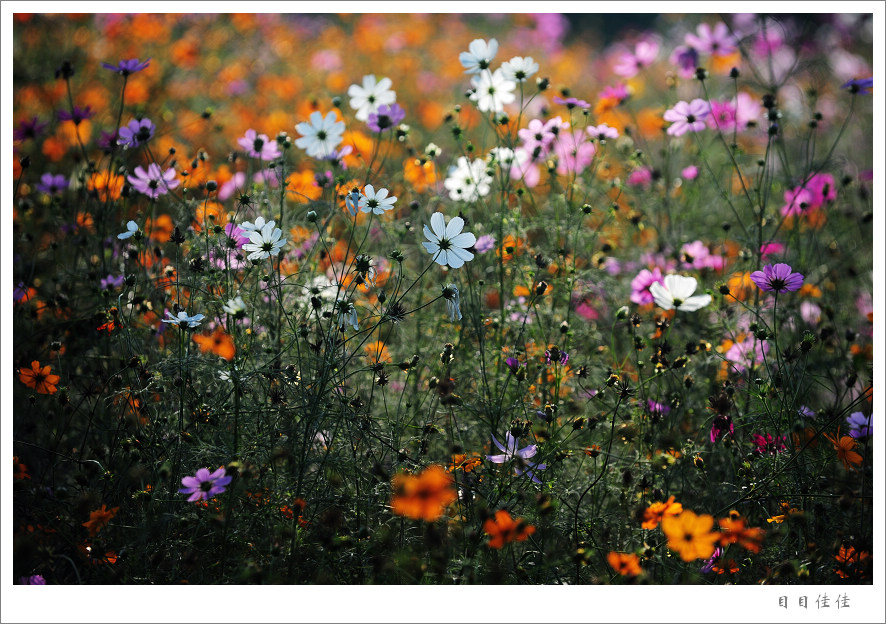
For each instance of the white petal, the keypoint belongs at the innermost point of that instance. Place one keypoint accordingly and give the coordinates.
(695, 303)
(432, 248)
(661, 295)
(453, 260)
(456, 224)
(465, 239)
(438, 223)
(680, 286)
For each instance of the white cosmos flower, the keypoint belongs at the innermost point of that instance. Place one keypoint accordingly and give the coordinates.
(248, 228)
(265, 243)
(468, 181)
(676, 294)
(519, 69)
(370, 96)
(183, 320)
(377, 202)
(448, 244)
(321, 135)
(479, 55)
(492, 91)
(235, 307)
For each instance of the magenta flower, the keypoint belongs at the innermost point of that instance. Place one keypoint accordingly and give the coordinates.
(386, 117)
(204, 485)
(797, 200)
(52, 184)
(722, 116)
(153, 182)
(822, 189)
(640, 285)
(640, 177)
(771, 248)
(538, 136)
(687, 116)
(127, 67)
(234, 185)
(555, 355)
(777, 277)
(657, 409)
(722, 426)
(511, 452)
(135, 133)
(259, 145)
(768, 445)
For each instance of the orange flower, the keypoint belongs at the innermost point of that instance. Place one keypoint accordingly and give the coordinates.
(418, 175)
(19, 471)
(786, 512)
(377, 352)
(460, 461)
(851, 562)
(845, 448)
(690, 535)
(626, 564)
(734, 532)
(302, 187)
(218, 342)
(99, 519)
(657, 511)
(423, 496)
(40, 379)
(510, 247)
(106, 184)
(504, 529)
(740, 285)
(730, 566)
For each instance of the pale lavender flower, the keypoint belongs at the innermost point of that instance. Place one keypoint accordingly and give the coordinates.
(259, 146)
(859, 425)
(52, 184)
(127, 67)
(387, 116)
(511, 452)
(153, 182)
(687, 116)
(135, 133)
(485, 243)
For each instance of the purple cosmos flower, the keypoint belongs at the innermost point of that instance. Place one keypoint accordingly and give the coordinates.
(52, 184)
(111, 281)
(127, 67)
(805, 412)
(153, 182)
(259, 145)
(685, 59)
(629, 65)
(603, 131)
(555, 355)
(386, 117)
(135, 133)
(769, 445)
(204, 485)
(574, 152)
(28, 129)
(485, 243)
(571, 102)
(709, 564)
(722, 426)
(513, 364)
(108, 140)
(35, 579)
(511, 451)
(687, 116)
(862, 86)
(859, 425)
(777, 277)
(656, 408)
(77, 115)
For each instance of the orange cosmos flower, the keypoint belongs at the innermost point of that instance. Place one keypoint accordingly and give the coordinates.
(734, 532)
(217, 342)
(99, 519)
(106, 185)
(19, 471)
(377, 352)
(460, 461)
(852, 562)
(657, 511)
(626, 564)
(504, 529)
(845, 448)
(39, 378)
(690, 535)
(510, 247)
(740, 285)
(419, 176)
(423, 496)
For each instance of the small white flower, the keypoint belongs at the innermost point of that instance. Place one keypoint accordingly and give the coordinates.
(376, 202)
(479, 55)
(352, 201)
(320, 136)
(131, 228)
(519, 68)
(492, 91)
(265, 243)
(183, 320)
(432, 150)
(676, 293)
(448, 244)
(235, 307)
(468, 181)
(347, 315)
(370, 96)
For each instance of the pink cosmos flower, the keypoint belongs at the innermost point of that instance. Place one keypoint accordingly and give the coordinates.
(690, 172)
(747, 353)
(574, 152)
(712, 41)
(259, 146)
(629, 65)
(640, 285)
(640, 177)
(204, 485)
(687, 116)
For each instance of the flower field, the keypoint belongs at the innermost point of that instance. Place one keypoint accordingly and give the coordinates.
(416, 299)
